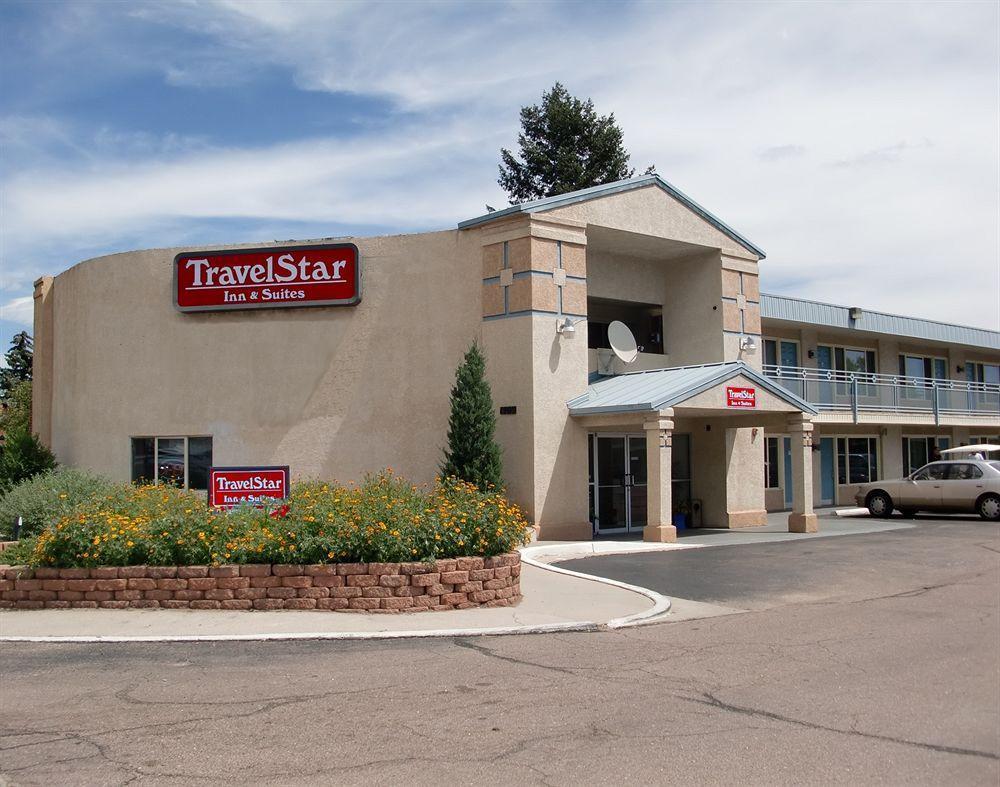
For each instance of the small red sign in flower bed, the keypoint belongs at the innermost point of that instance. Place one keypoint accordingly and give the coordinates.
(229, 487)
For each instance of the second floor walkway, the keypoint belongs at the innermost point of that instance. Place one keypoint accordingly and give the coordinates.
(860, 397)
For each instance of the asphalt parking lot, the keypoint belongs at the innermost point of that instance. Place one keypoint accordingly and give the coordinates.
(756, 576)
(869, 659)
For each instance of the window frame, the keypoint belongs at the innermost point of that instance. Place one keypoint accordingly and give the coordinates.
(877, 453)
(903, 356)
(156, 455)
(972, 367)
(776, 466)
(841, 376)
(776, 341)
(941, 442)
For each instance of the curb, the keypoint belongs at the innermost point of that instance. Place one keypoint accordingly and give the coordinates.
(851, 512)
(661, 606)
(542, 628)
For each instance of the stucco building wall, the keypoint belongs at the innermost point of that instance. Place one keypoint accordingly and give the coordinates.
(334, 392)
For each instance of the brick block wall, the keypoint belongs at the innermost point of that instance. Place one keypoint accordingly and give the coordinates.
(455, 583)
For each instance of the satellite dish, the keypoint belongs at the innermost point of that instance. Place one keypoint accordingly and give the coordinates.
(622, 341)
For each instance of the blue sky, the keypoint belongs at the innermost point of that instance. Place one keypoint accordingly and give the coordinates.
(856, 143)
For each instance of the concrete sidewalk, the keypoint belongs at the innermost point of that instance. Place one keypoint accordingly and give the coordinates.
(776, 529)
(554, 600)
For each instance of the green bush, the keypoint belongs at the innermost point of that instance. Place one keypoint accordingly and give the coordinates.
(385, 519)
(23, 457)
(44, 499)
(16, 416)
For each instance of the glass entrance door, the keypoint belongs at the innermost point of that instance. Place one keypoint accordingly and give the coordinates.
(620, 483)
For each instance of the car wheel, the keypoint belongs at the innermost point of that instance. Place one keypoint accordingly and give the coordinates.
(880, 505)
(989, 507)
(908, 513)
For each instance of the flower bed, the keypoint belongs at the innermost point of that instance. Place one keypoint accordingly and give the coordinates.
(382, 546)
(385, 519)
(449, 583)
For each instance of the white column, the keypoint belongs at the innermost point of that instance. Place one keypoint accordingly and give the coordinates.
(659, 508)
(802, 519)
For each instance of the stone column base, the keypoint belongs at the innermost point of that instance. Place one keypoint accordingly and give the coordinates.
(659, 533)
(802, 523)
(735, 519)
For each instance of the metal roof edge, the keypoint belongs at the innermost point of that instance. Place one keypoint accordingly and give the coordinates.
(720, 373)
(607, 189)
(730, 370)
(711, 218)
(960, 334)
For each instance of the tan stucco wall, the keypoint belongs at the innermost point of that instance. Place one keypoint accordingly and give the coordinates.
(624, 278)
(333, 392)
(41, 387)
(694, 299)
(650, 211)
(716, 398)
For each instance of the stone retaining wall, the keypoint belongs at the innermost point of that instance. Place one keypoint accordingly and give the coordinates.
(457, 583)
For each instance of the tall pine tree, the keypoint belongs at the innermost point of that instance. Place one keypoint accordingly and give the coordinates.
(473, 453)
(565, 146)
(18, 363)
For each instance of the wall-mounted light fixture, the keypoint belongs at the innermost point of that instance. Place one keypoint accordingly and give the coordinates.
(960, 369)
(811, 353)
(566, 326)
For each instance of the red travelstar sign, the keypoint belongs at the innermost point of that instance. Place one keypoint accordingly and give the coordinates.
(230, 486)
(741, 397)
(277, 277)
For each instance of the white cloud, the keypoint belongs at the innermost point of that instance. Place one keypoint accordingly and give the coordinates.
(19, 310)
(858, 144)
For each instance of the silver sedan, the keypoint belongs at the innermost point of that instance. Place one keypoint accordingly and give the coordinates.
(966, 486)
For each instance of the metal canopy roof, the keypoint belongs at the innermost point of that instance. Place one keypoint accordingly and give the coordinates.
(781, 307)
(595, 192)
(639, 392)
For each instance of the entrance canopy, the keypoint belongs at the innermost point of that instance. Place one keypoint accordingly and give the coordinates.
(734, 392)
(732, 388)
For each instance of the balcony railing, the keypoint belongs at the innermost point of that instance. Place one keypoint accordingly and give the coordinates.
(855, 392)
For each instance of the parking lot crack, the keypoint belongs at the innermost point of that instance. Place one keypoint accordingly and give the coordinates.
(464, 643)
(714, 702)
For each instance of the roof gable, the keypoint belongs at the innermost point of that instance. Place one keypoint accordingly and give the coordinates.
(662, 388)
(608, 189)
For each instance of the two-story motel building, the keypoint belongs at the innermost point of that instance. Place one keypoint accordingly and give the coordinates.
(738, 403)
